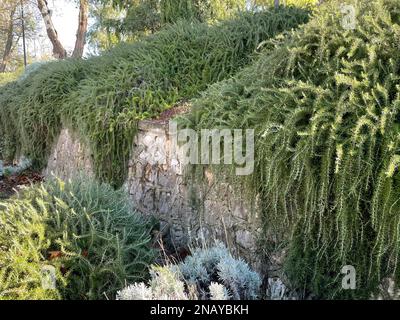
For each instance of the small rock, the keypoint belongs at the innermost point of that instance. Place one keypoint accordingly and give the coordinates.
(245, 239)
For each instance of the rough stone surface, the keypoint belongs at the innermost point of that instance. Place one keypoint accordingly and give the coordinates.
(69, 157)
(189, 211)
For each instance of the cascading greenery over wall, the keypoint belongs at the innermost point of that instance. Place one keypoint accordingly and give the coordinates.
(102, 98)
(325, 104)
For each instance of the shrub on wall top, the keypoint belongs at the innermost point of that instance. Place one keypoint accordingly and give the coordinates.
(103, 97)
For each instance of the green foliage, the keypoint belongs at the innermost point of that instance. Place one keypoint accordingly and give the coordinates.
(8, 77)
(142, 18)
(297, 3)
(2, 147)
(10, 24)
(325, 103)
(9, 135)
(130, 19)
(102, 98)
(88, 232)
(116, 21)
(199, 10)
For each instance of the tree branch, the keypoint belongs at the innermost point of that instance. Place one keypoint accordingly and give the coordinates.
(82, 29)
(58, 50)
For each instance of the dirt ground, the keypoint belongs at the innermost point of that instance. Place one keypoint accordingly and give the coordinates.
(10, 184)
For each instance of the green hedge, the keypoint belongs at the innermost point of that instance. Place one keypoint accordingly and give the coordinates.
(102, 98)
(325, 103)
(88, 232)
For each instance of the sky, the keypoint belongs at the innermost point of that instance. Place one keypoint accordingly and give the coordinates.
(65, 19)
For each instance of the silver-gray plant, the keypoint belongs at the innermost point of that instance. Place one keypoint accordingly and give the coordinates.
(218, 292)
(165, 284)
(209, 273)
(216, 264)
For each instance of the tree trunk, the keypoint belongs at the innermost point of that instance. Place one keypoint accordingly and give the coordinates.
(276, 2)
(9, 42)
(58, 50)
(82, 29)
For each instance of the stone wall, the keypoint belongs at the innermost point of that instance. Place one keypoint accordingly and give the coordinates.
(189, 211)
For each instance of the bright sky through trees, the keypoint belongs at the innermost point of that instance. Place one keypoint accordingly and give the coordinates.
(65, 19)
